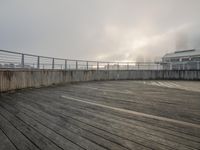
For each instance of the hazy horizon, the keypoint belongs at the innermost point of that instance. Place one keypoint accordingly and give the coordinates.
(109, 30)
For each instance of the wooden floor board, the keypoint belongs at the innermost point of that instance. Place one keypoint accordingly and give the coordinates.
(47, 118)
(41, 141)
(182, 128)
(46, 140)
(137, 138)
(20, 141)
(5, 143)
(47, 108)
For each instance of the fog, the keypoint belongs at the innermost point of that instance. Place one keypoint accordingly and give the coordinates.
(110, 30)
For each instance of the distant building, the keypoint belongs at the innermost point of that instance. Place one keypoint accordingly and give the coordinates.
(184, 59)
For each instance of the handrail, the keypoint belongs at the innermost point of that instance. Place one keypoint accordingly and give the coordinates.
(10, 59)
(7, 51)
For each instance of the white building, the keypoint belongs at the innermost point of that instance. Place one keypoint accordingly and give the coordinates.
(184, 59)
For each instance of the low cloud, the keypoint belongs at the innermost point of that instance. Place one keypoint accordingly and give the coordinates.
(114, 30)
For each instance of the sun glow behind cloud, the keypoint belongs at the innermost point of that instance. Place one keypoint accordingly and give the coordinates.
(134, 43)
(114, 30)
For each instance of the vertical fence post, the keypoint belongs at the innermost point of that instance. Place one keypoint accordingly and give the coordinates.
(108, 66)
(87, 65)
(128, 66)
(53, 63)
(97, 65)
(170, 66)
(76, 65)
(65, 64)
(22, 61)
(38, 62)
(198, 65)
(117, 66)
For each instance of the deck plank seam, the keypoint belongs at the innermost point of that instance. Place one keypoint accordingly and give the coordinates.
(9, 139)
(85, 129)
(110, 132)
(41, 133)
(19, 131)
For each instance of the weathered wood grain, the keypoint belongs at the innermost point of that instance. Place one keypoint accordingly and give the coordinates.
(47, 118)
(5, 143)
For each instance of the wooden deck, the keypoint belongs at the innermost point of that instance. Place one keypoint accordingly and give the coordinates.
(107, 115)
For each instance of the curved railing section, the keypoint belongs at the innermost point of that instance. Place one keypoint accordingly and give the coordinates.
(15, 60)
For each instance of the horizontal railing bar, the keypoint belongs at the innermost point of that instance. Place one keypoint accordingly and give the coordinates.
(80, 60)
(11, 59)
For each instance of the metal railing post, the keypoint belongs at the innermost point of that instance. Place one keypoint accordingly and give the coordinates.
(53, 63)
(38, 62)
(65, 64)
(97, 65)
(87, 65)
(170, 66)
(76, 65)
(117, 66)
(22, 61)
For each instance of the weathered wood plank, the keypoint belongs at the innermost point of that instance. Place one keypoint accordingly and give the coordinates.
(113, 138)
(41, 141)
(5, 143)
(129, 117)
(20, 141)
(135, 122)
(102, 125)
(43, 137)
(42, 117)
(168, 143)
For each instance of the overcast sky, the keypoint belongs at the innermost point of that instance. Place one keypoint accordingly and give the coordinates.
(108, 30)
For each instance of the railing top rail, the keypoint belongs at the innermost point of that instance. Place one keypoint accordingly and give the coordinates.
(10, 59)
(79, 60)
(6, 51)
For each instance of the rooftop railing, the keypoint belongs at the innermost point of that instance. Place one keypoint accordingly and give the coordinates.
(16, 60)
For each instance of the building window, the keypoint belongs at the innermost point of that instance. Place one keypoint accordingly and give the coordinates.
(185, 59)
(174, 59)
(195, 59)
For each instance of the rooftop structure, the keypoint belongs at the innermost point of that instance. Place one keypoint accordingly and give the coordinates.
(192, 54)
(183, 59)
